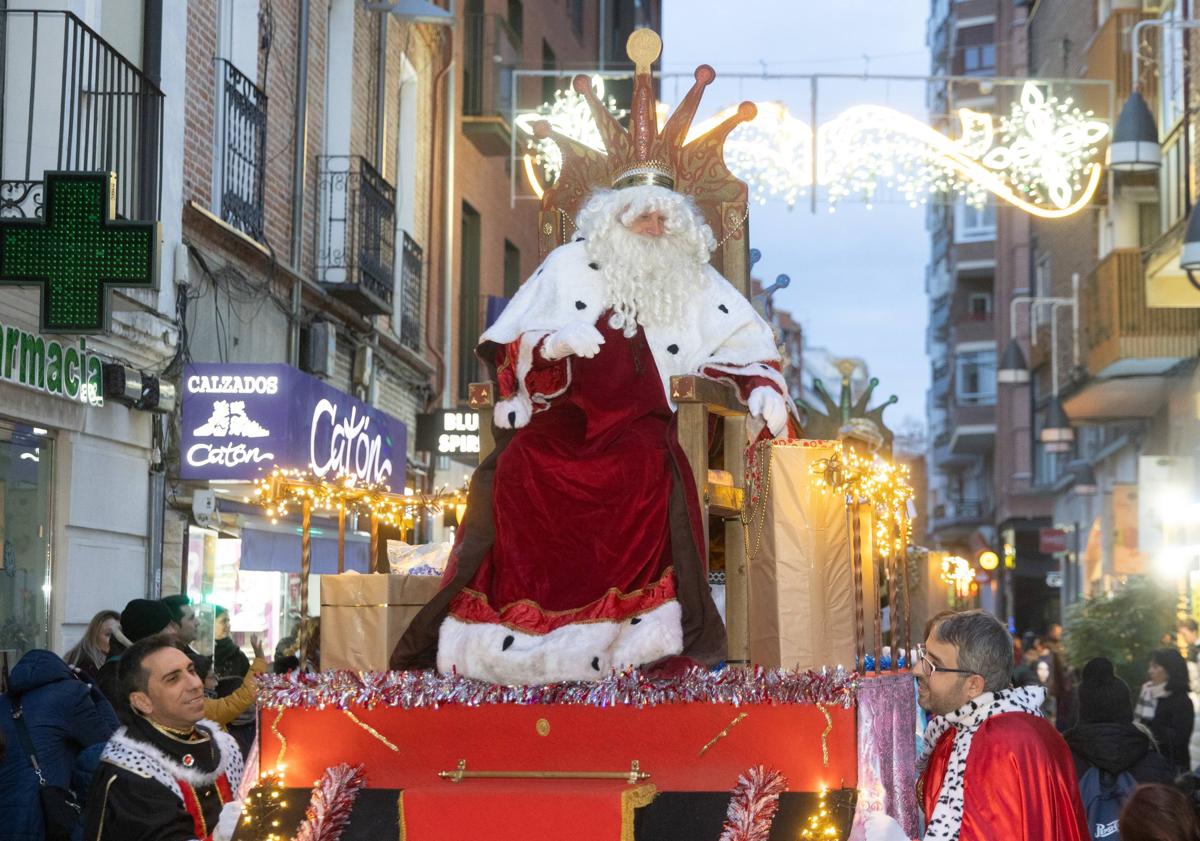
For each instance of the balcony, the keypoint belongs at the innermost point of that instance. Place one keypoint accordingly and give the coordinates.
(241, 150)
(974, 327)
(1109, 58)
(973, 429)
(956, 515)
(73, 102)
(491, 52)
(357, 237)
(940, 386)
(1129, 346)
(412, 285)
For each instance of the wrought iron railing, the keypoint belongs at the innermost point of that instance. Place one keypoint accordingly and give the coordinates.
(412, 284)
(73, 102)
(357, 244)
(492, 52)
(241, 150)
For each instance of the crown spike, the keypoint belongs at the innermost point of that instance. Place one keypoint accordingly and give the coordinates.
(677, 126)
(745, 112)
(616, 140)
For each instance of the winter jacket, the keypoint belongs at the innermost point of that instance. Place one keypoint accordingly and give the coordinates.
(225, 710)
(1172, 726)
(65, 716)
(1118, 747)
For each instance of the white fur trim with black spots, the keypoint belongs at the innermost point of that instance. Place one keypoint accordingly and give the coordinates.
(145, 760)
(580, 651)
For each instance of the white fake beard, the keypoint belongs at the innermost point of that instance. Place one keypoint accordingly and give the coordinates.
(648, 280)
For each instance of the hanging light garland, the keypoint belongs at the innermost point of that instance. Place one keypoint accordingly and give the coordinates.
(283, 490)
(820, 825)
(1041, 157)
(872, 480)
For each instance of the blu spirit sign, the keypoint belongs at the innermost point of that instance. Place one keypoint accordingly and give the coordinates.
(240, 421)
(63, 369)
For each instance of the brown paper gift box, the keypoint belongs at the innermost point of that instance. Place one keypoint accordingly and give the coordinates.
(801, 583)
(364, 616)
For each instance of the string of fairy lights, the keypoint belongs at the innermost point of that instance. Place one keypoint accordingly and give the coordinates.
(283, 491)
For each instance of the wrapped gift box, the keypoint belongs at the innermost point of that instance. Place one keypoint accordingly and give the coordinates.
(364, 616)
(801, 584)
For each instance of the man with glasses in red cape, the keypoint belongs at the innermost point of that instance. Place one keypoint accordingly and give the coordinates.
(993, 769)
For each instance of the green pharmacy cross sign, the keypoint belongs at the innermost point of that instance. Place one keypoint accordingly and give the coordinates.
(78, 251)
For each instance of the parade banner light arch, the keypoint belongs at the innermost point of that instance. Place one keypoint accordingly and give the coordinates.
(1042, 156)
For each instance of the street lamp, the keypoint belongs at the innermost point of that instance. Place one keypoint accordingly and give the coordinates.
(1189, 257)
(1085, 479)
(416, 11)
(1013, 369)
(1134, 146)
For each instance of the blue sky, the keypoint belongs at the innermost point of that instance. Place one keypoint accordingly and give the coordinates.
(858, 274)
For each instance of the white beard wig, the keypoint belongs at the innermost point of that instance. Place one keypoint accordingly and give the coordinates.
(647, 279)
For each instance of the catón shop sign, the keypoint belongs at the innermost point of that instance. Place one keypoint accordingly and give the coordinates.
(242, 421)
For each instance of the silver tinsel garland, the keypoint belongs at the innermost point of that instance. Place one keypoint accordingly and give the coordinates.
(430, 690)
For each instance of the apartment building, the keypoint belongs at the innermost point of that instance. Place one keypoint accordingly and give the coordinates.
(1126, 484)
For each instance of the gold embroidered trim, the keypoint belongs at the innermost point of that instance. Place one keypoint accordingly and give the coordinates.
(372, 731)
(632, 799)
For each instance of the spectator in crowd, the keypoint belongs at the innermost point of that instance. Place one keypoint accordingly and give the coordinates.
(89, 655)
(169, 775)
(1026, 672)
(1164, 706)
(141, 618)
(67, 721)
(183, 616)
(225, 709)
(1158, 812)
(1112, 754)
(1188, 635)
(228, 659)
(994, 767)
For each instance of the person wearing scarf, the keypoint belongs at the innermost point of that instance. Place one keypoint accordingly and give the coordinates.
(993, 768)
(1165, 708)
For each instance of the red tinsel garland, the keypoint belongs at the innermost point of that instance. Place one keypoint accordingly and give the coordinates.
(753, 805)
(430, 690)
(333, 797)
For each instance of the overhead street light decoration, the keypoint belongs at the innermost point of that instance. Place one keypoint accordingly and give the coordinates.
(1040, 157)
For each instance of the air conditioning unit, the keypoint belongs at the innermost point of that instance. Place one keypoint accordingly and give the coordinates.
(320, 356)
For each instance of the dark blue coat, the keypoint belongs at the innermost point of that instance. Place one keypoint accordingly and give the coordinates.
(65, 716)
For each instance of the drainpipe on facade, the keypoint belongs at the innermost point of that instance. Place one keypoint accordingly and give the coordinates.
(451, 112)
(152, 22)
(299, 150)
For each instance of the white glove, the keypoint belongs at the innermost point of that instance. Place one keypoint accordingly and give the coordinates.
(231, 813)
(577, 338)
(768, 404)
(882, 827)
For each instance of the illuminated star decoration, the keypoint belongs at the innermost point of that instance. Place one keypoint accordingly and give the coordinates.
(1042, 158)
(568, 114)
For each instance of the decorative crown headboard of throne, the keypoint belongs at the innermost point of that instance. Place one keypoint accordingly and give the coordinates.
(698, 166)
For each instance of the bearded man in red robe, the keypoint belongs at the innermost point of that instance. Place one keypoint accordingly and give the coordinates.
(582, 550)
(994, 768)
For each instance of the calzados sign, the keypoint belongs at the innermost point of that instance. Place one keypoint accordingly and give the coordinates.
(240, 421)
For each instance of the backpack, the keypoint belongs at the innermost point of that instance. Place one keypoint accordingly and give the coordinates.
(1103, 794)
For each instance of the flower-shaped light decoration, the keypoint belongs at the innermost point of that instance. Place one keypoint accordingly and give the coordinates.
(1047, 145)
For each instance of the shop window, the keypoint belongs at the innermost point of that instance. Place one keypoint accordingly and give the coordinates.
(26, 477)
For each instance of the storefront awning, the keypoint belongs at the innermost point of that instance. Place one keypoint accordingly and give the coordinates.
(268, 547)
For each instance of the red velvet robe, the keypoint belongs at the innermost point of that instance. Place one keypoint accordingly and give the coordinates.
(1020, 782)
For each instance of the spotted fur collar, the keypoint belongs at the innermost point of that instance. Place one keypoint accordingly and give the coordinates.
(946, 820)
(144, 759)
